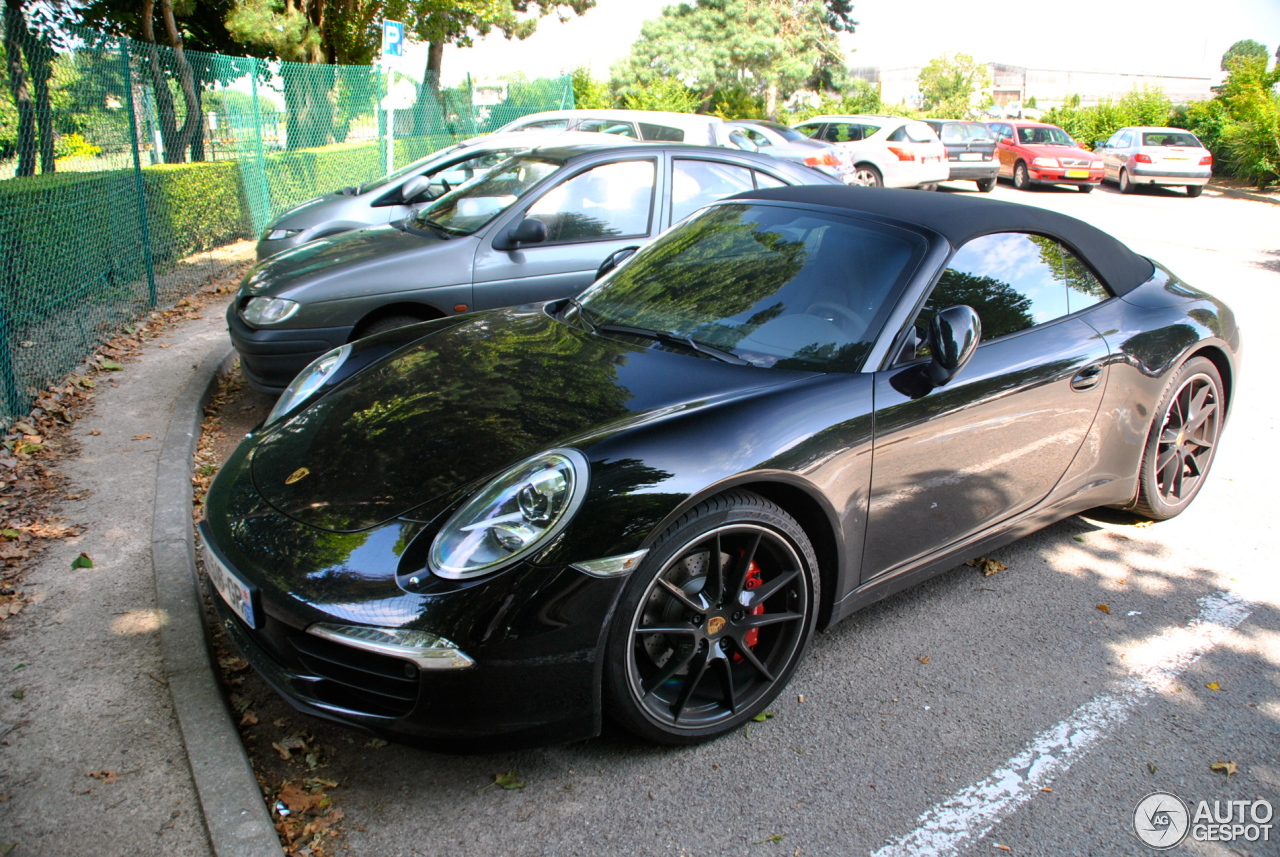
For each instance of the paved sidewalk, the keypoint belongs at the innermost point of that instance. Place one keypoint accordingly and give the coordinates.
(115, 739)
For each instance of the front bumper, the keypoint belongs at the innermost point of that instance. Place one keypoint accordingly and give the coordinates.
(271, 358)
(1062, 176)
(534, 633)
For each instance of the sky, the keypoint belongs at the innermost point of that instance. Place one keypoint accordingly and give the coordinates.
(1175, 37)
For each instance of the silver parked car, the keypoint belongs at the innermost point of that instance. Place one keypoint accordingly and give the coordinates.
(538, 226)
(398, 195)
(1141, 155)
(781, 141)
(658, 125)
(886, 151)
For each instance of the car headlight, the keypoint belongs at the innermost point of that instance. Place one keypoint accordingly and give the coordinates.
(277, 234)
(308, 381)
(514, 515)
(264, 310)
(1045, 162)
(1097, 165)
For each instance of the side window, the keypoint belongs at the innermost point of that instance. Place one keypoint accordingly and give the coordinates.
(546, 125)
(898, 136)
(756, 137)
(697, 183)
(1014, 281)
(766, 180)
(608, 201)
(809, 130)
(661, 132)
(608, 126)
(842, 132)
(1083, 288)
(464, 171)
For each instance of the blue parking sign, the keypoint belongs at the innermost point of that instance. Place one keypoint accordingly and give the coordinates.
(392, 39)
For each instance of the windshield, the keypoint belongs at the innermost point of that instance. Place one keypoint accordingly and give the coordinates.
(471, 206)
(1045, 136)
(777, 287)
(400, 173)
(966, 132)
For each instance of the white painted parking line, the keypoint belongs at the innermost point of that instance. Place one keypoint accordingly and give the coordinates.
(971, 812)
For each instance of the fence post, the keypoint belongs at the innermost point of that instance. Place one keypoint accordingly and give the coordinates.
(137, 173)
(143, 225)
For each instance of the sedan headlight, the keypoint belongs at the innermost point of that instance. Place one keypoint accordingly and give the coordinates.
(264, 310)
(308, 381)
(1097, 165)
(513, 516)
(278, 234)
(1045, 162)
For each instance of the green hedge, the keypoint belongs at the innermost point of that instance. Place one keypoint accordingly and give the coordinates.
(297, 176)
(193, 207)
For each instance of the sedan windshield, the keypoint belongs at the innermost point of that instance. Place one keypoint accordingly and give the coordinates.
(773, 286)
(1045, 136)
(474, 204)
(400, 173)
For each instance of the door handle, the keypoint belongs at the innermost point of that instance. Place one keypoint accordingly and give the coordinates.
(1087, 378)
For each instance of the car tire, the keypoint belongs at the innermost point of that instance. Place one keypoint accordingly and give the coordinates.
(1021, 176)
(1085, 188)
(717, 655)
(865, 175)
(986, 185)
(929, 186)
(391, 322)
(1182, 442)
(1194, 190)
(1126, 186)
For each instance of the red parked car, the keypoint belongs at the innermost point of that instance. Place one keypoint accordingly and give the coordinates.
(1034, 153)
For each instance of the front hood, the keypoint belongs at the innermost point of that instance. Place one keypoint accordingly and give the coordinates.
(374, 251)
(1057, 152)
(463, 404)
(312, 212)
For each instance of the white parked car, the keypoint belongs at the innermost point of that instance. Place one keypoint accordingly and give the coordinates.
(886, 151)
(1165, 156)
(637, 124)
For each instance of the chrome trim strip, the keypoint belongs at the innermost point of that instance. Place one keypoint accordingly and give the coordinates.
(441, 658)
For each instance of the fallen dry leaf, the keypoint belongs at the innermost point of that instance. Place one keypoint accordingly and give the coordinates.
(987, 565)
(249, 719)
(1227, 768)
(1213, 685)
(146, 436)
(105, 776)
(1105, 609)
(924, 659)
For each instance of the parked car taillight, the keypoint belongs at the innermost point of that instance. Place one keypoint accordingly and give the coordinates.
(1141, 158)
(1206, 161)
(825, 160)
(904, 153)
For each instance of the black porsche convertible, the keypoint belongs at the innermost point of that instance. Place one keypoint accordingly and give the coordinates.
(496, 529)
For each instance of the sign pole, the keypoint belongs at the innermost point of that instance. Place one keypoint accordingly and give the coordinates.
(392, 48)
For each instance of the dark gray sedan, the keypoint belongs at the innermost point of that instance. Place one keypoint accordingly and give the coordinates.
(536, 227)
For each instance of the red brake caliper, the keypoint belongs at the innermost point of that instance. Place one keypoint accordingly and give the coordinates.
(753, 582)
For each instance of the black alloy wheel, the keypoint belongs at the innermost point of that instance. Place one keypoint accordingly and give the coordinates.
(1183, 440)
(714, 623)
(1021, 178)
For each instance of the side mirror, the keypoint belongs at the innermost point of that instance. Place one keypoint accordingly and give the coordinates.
(616, 258)
(953, 337)
(1007, 140)
(741, 141)
(1099, 144)
(529, 231)
(415, 186)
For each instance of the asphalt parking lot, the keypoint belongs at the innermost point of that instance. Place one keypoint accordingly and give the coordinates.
(1008, 713)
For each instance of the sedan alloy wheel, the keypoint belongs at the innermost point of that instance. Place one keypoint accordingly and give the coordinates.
(1183, 440)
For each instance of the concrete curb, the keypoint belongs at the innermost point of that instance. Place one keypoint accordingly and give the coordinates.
(235, 816)
(1236, 193)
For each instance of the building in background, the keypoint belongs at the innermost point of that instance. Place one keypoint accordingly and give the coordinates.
(1049, 87)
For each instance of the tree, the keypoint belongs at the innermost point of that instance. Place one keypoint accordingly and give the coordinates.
(768, 48)
(30, 33)
(1251, 134)
(948, 84)
(1244, 48)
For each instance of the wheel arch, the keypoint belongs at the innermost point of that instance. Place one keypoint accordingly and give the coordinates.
(1218, 357)
(424, 311)
(801, 501)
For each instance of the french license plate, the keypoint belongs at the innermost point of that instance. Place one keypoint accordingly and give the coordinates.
(232, 589)
(1077, 174)
(970, 156)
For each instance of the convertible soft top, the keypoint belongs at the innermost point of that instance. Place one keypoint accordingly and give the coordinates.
(961, 217)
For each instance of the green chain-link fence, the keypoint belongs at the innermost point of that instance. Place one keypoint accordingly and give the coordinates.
(125, 167)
